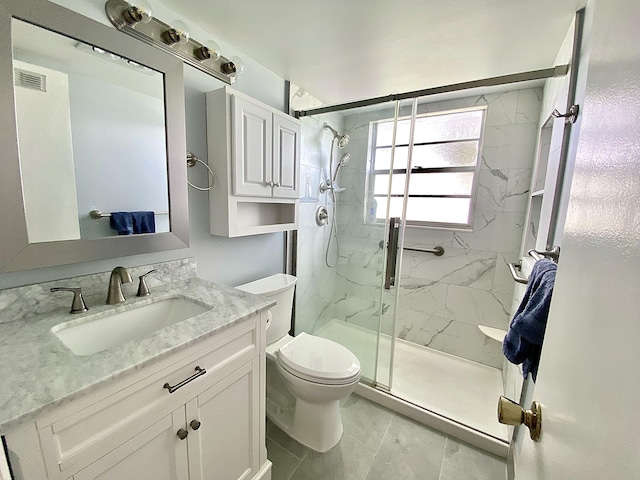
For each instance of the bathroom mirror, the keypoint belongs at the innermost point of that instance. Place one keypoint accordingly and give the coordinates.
(114, 142)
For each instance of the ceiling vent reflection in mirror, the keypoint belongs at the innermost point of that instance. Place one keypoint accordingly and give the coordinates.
(136, 19)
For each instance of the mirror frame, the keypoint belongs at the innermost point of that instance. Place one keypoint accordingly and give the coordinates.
(16, 253)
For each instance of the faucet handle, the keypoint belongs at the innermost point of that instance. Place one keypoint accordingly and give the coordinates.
(78, 305)
(143, 288)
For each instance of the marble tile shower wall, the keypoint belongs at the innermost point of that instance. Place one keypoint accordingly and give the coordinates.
(315, 288)
(443, 299)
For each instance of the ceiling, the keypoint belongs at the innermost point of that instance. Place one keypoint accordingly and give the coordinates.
(344, 50)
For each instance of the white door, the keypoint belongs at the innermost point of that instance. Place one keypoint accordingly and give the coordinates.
(251, 154)
(286, 157)
(589, 375)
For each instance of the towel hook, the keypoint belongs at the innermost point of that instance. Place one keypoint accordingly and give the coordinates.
(191, 161)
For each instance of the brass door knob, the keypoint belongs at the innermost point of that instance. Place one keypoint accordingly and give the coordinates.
(195, 424)
(510, 413)
(182, 434)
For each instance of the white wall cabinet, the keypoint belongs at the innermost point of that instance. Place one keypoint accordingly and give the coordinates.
(255, 151)
(211, 427)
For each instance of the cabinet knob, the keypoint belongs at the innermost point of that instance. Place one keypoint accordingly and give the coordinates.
(269, 183)
(182, 434)
(195, 424)
(277, 184)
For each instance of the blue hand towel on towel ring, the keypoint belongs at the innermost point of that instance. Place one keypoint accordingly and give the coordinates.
(144, 222)
(523, 342)
(121, 222)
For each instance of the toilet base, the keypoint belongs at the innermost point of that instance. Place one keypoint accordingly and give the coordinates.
(317, 426)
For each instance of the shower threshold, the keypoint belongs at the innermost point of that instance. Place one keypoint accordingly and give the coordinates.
(448, 393)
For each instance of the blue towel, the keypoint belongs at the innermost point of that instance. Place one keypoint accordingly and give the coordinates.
(144, 222)
(523, 342)
(122, 222)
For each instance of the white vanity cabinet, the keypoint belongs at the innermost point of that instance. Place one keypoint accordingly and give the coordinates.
(255, 151)
(212, 426)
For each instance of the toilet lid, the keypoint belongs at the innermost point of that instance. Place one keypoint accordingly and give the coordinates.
(319, 360)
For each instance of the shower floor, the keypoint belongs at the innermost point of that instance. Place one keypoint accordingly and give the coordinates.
(464, 391)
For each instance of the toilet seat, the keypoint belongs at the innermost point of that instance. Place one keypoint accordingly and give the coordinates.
(319, 360)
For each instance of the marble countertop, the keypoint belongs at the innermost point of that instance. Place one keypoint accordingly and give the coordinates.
(39, 373)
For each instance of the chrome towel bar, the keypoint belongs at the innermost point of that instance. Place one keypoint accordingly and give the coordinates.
(98, 214)
(553, 254)
(515, 268)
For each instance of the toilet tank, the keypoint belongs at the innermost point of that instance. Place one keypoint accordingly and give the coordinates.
(280, 287)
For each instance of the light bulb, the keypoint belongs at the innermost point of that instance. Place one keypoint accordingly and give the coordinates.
(237, 61)
(209, 51)
(178, 33)
(233, 67)
(139, 13)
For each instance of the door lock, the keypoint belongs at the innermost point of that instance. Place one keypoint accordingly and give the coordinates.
(510, 413)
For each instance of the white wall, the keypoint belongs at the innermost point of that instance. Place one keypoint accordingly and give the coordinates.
(229, 261)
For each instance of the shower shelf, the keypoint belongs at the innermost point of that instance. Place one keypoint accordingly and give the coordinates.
(496, 334)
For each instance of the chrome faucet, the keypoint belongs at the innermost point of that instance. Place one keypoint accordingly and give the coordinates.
(119, 275)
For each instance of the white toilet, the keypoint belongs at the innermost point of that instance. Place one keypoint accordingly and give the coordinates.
(307, 376)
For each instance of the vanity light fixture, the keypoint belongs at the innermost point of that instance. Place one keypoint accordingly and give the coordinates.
(136, 19)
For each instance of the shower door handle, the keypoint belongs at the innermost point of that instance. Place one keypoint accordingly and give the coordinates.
(392, 253)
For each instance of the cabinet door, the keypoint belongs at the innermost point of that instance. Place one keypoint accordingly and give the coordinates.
(251, 153)
(286, 157)
(155, 453)
(226, 443)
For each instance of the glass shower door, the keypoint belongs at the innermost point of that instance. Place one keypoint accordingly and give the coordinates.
(360, 312)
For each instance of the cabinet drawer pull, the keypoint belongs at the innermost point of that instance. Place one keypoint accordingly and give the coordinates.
(182, 434)
(195, 424)
(199, 372)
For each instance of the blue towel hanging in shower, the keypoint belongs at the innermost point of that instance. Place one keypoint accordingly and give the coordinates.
(523, 342)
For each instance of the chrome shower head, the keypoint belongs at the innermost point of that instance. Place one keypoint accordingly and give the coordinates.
(343, 140)
(343, 161)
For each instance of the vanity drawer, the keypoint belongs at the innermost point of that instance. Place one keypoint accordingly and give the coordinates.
(92, 426)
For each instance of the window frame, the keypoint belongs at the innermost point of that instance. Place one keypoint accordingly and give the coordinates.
(372, 172)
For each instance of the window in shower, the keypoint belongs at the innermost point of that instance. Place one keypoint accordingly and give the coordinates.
(442, 165)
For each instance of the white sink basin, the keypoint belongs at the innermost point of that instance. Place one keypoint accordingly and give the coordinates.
(92, 335)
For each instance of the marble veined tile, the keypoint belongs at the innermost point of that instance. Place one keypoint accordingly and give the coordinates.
(423, 296)
(503, 282)
(492, 188)
(501, 108)
(460, 339)
(529, 104)
(518, 189)
(492, 353)
(510, 146)
(457, 266)
(478, 307)
(493, 231)
(420, 328)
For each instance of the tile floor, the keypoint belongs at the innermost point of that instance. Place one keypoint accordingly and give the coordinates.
(379, 444)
